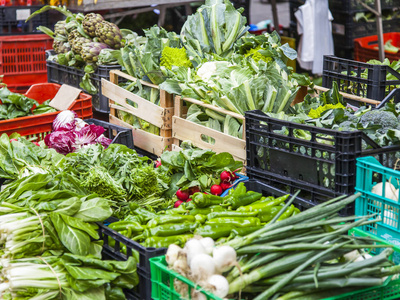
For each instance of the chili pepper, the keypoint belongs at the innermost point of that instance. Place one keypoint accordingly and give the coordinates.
(180, 210)
(167, 219)
(170, 229)
(296, 211)
(236, 221)
(207, 210)
(263, 205)
(242, 200)
(238, 191)
(264, 199)
(288, 212)
(268, 213)
(214, 231)
(204, 200)
(144, 214)
(124, 225)
(200, 218)
(230, 213)
(165, 241)
(245, 231)
(133, 218)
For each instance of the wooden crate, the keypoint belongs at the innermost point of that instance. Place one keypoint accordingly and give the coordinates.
(160, 116)
(185, 130)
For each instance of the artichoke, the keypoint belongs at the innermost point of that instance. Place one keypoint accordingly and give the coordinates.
(61, 46)
(89, 23)
(59, 28)
(109, 34)
(77, 44)
(90, 51)
(73, 35)
(71, 26)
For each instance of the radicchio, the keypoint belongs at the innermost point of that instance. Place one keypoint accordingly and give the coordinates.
(62, 141)
(71, 133)
(65, 120)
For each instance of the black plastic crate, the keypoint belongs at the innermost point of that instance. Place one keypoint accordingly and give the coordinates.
(347, 74)
(143, 290)
(322, 167)
(60, 74)
(12, 20)
(352, 6)
(118, 134)
(346, 29)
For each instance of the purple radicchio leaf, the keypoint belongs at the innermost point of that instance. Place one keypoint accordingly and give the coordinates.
(104, 141)
(61, 141)
(87, 135)
(65, 120)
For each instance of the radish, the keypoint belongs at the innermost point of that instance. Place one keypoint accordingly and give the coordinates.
(224, 258)
(194, 189)
(225, 185)
(225, 176)
(216, 189)
(182, 195)
(36, 143)
(219, 285)
(202, 266)
(188, 200)
(13, 140)
(158, 163)
(177, 203)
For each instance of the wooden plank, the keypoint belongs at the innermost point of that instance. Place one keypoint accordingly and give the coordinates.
(176, 148)
(145, 110)
(113, 79)
(167, 100)
(349, 96)
(144, 140)
(134, 79)
(186, 130)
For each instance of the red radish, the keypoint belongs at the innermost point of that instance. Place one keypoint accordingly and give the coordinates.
(225, 176)
(234, 177)
(13, 140)
(216, 189)
(36, 143)
(177, 203)
(188, 200)
(225, 185)
(182, 195)
(158, 163)
(194, 189)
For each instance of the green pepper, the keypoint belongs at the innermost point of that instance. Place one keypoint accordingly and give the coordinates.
(214, 231)
(181, 210)
(264, 199)
(167, 219)
(165, 241)
(236, 221)
(133, 218)
(207, 210)
(296, 211)
(200, 218)
(263, 205)
(238, 191)
(230, 213)
(268, 213)
(242, 200)
(288, 212)
(204, 200)
(144, 214)
(170, 229)
(124, 225)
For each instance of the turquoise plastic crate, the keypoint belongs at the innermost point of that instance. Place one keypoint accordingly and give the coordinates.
(369, 173)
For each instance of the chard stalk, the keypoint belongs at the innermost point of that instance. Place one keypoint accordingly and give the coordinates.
(232, 35)
(215, 29)
(249, 96)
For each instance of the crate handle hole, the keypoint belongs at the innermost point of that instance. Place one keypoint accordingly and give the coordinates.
(207, 139)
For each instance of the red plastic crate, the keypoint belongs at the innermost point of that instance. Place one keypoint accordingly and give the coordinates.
(23, 59)
(366, 48)
(39, 125)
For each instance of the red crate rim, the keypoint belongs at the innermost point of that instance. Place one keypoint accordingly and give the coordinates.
(24, 38)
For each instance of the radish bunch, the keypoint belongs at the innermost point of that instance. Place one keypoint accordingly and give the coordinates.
(227, 178)
(202, 263)
(185, 195)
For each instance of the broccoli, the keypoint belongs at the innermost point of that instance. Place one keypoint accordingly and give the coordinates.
(345, 126)
(385, 119)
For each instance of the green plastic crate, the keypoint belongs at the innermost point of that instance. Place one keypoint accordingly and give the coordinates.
(370, 172)
(162, 280)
